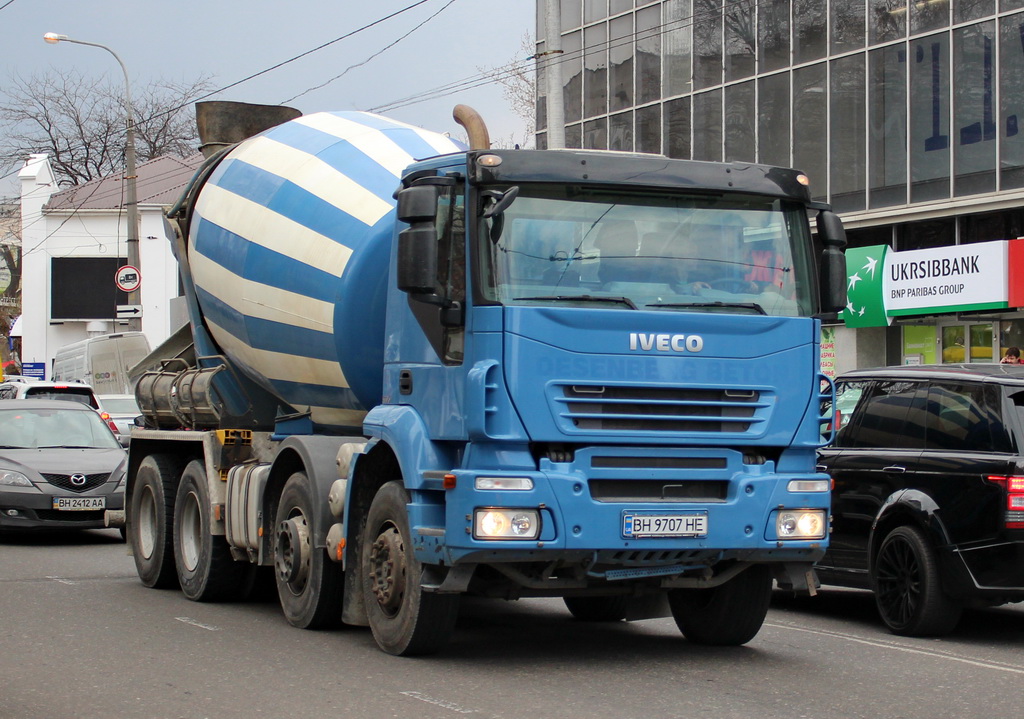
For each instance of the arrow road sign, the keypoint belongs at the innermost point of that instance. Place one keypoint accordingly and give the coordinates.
(127, 312)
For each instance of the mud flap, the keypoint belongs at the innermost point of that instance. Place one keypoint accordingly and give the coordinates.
(799, 578)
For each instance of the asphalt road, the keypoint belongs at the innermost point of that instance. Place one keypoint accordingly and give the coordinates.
(81, 638)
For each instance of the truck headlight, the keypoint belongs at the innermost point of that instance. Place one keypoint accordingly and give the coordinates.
(504, 483)
(500, 523)
(800, 524)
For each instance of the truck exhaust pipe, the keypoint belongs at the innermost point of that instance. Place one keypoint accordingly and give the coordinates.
(479, 139)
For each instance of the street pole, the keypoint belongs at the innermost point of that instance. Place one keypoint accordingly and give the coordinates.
(553, 75)
(132, 203)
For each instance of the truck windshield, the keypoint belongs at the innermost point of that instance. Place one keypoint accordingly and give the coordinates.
(657, 251)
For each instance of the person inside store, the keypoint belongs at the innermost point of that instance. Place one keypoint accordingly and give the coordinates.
(1012, 356)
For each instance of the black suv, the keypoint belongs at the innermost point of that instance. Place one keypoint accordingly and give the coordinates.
(928, 504)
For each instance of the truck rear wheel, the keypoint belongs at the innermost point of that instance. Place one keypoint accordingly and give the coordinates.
(151, 520)
(598, 609)
(405, 620)
(206, 570)
(309, 586)
(730, 614)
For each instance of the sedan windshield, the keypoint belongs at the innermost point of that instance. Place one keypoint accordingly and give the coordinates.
(38, 428)
(737, 253)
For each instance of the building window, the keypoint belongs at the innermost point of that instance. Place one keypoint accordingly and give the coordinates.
(887, 128)
(967, 10)
(974, 156)
(810, 31)
(620, 128)
(926, 234)
(992, 226)
(773, 120)
(1011, 100)
(810, 152)
(676, 47)
(848, 158)
(572, 75)
(887, 20)
(929, 118)
(847, 18)
(620, 56)
(648, 129)
(740, 39)
(928, 15)
(648, 54)
(773, 34)
(707, 126)
(739, 122)
(707, 43)
(595, 134)
(595, 70)
(677, 128)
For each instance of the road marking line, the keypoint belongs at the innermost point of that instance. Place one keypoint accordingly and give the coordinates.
(440, 703)
(935, 654)
(194, 623)
(63, 581)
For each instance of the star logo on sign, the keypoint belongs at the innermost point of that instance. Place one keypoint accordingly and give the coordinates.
(870, 266)
(849, 307)
(854, 279)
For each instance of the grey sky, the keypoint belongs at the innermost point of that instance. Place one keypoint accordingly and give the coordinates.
(233, 39)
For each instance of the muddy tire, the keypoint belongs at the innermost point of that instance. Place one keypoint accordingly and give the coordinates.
(206, 570)
(404, 619)
(309, 585)
(151, 520)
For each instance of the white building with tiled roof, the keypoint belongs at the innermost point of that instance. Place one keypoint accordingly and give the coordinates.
(73, 240)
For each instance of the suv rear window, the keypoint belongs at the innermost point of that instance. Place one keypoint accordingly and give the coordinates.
(67, 394)
(966, 417)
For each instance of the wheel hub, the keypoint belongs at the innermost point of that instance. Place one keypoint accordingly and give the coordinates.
(292, 555)
(388, 570)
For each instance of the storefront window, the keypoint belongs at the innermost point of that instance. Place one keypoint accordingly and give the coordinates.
(953, 348)
(1011, 334)
(965, 342)
(918, 344)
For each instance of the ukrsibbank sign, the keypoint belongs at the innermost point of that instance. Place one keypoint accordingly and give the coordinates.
(883, 284)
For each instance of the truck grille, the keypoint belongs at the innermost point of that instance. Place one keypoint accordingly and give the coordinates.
(64, 481)
(614, 408)
(658, 490)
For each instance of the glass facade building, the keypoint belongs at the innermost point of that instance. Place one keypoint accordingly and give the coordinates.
(907, 116)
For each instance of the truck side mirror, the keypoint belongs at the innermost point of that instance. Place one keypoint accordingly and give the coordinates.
(833, 261)
(417, 245)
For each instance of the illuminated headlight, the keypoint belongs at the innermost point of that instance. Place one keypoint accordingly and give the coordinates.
(14, 479)
(800, 524)
(494, 523)
(505, 483)
(808, 485)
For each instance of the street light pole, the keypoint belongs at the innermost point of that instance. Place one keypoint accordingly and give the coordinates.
(135, 323)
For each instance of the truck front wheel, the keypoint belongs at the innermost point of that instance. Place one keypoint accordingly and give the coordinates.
(308, 585)
(730, 614)
(404, 619)
(206, 570)
(151, 520)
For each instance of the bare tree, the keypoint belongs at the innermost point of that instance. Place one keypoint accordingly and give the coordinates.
(518, 81)
(80, 123)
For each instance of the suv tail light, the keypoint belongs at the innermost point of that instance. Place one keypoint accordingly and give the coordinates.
(1014, 500)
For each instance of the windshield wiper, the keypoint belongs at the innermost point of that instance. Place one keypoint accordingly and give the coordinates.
(586, 298)
(714, 305)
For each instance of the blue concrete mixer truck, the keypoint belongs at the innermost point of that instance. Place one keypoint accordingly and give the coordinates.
(415, 371)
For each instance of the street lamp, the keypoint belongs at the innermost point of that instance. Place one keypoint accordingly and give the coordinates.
(135, 323)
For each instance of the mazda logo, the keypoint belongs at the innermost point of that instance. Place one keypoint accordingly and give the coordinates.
(78, 479)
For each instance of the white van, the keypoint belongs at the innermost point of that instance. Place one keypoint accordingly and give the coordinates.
(102, 362)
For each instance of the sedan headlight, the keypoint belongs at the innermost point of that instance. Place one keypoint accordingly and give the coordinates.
(11, 478)
(800, 524)
(499, 523)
